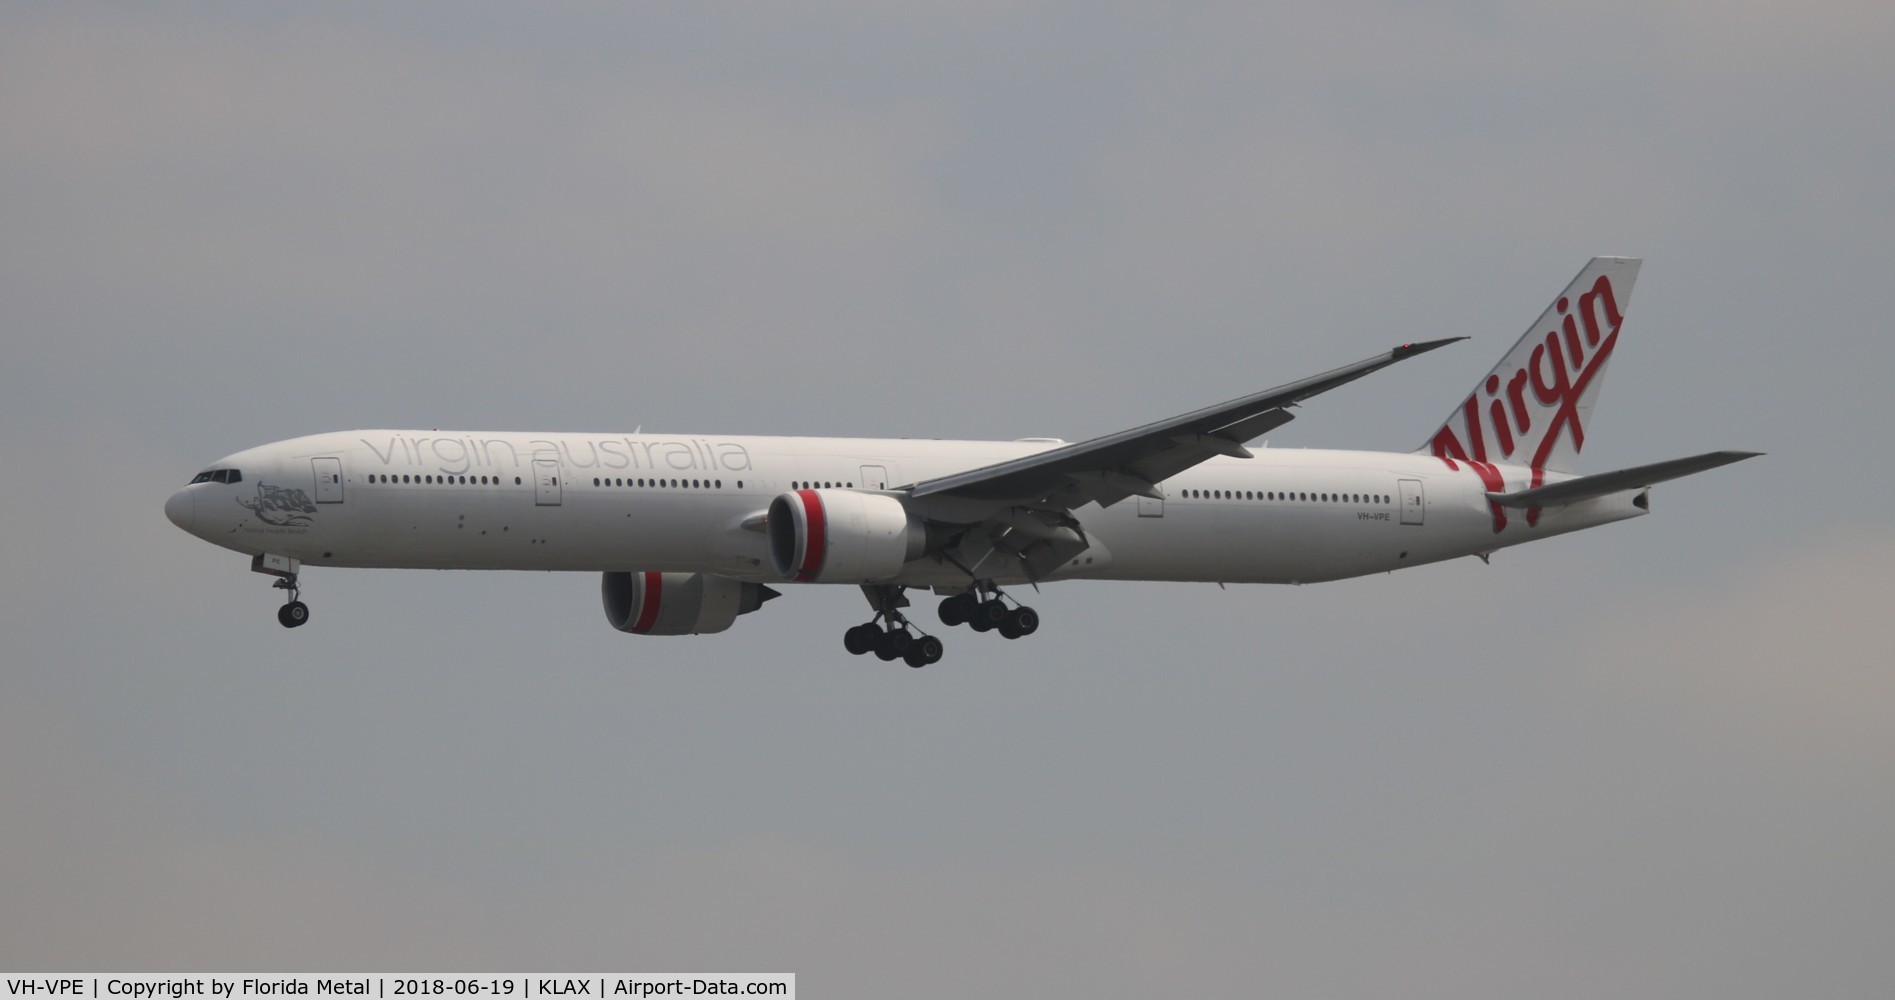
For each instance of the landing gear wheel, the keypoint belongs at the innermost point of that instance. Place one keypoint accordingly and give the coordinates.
(861, 639)
(923, 651)
(1021, 621)
(890, 645)
(959, 609)
(988, 615)
(293, 614)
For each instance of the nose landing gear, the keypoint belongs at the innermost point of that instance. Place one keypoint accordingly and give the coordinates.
(294, 612)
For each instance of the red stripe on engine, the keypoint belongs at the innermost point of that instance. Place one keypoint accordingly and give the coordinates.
(814, 535)
(648, 608)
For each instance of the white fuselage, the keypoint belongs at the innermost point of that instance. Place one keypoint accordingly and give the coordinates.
(642, 502)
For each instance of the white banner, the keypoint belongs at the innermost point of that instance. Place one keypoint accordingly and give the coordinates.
(403, 986)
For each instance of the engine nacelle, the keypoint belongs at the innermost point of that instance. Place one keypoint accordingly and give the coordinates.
(842, 536)
(677, 603)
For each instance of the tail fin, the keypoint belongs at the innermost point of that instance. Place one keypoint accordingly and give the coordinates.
(1532, 409)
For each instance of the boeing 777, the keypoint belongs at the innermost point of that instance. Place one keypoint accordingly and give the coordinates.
(691, 531)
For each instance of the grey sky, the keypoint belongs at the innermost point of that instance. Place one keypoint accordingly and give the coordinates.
(1656, 759)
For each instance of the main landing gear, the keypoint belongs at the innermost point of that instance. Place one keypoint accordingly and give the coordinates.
(890, 635)
(984, 609)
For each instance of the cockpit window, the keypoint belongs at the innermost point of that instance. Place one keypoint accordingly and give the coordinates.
(218, 476)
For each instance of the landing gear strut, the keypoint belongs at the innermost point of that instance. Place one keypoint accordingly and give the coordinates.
(984, 609)
(890, 635)
(293, 612)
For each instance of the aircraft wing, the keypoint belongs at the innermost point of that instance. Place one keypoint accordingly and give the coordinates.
(1108, 469)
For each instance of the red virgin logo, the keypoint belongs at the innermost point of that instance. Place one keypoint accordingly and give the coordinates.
(1530, 412)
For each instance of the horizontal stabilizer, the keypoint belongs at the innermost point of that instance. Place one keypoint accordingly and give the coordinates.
(1606, 483)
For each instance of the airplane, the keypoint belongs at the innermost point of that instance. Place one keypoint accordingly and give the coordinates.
(689, 532)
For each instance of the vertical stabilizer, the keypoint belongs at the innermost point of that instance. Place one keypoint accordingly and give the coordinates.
(1532, 409)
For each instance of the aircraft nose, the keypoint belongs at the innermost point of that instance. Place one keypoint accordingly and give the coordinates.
(182, 508)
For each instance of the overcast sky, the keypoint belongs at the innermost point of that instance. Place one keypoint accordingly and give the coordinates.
(1655, 759)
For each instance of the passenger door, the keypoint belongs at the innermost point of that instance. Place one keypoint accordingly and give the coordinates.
(546, 482)
(328, 479)
(1413, 505)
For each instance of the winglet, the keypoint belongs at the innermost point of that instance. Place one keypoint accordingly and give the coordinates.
(1423, 347)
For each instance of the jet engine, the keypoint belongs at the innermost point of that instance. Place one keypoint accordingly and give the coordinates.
(842, 536)
(677, 603)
